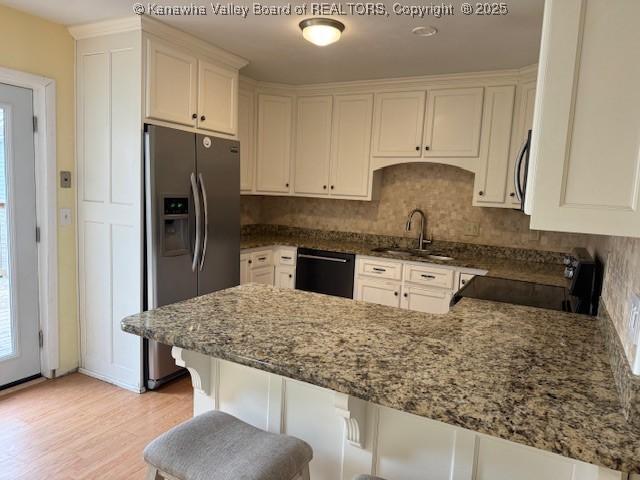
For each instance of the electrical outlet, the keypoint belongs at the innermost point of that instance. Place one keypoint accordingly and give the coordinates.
(472, 229)
(634, 329)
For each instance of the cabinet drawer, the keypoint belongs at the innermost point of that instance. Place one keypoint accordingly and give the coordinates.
(428, 275)
(379, 268)
(261, 258)
(286, 256)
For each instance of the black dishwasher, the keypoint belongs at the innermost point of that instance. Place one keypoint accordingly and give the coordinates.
(325, 272)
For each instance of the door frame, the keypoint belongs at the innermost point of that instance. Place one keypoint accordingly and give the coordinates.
(44, 108)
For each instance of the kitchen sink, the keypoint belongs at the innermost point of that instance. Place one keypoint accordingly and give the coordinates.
(400, 252)
(410, 252)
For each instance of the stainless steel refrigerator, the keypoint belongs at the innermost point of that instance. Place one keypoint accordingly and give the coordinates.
(192, 210)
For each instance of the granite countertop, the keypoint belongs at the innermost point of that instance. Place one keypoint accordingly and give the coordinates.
(473, 257)
(537, 377)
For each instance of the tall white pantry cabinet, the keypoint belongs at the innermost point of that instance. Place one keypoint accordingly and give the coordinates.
(130, 72)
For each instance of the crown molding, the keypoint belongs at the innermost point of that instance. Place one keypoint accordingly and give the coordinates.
(494, 77)
(154, 27)
(107, 27)
(194, 44)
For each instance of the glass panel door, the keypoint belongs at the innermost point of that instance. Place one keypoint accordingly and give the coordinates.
(19, 322)
(7, 329)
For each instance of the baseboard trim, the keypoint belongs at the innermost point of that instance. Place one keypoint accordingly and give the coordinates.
(126, 386)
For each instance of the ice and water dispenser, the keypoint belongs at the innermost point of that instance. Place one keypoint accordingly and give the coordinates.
(175, 226)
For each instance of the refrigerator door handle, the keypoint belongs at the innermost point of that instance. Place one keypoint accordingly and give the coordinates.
(517, 172)
(196, 202)
(206, 220)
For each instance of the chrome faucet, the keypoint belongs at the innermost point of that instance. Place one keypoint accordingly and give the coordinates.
(423, 227)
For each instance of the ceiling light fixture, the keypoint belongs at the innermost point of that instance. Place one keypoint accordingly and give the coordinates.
(321, 31)
(427, 31)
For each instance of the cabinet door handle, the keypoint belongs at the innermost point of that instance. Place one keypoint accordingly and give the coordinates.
(381, 270)
(286, 258)
(332, 187)
(286, 185)
(203, 118)
(426, 147)
(512, 194)
(324, 187)
(194, 116)
(250, 262)
(395, 293)
(290, 276)
(405, 295)
(430, 277)
(481, 193)
(262, 258)
(418, 148)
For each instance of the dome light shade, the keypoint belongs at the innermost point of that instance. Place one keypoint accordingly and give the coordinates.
(321, 31)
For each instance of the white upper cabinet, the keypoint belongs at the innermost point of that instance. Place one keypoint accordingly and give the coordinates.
(313, 145)
(452, 122)
(217, 98)
(186, 86)
(273, 143)
(397, 126)
(585, 161)
(350, 145)
(246, 137)
(171, 78)
(491, 177)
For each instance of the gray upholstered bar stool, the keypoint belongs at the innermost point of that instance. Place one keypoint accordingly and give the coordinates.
(367, 477)
(218, 446)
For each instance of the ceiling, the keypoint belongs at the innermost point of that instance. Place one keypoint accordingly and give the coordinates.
(371, 47)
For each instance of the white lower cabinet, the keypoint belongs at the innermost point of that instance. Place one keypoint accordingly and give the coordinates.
(427, 300)
(244, 268)
(270, 266)
(262, 275)
(414, 286)
(285, 277)
(378, 291)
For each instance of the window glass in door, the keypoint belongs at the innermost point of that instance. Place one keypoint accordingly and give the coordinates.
(19, 325)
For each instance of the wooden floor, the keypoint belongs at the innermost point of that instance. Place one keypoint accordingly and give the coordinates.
(76, 427)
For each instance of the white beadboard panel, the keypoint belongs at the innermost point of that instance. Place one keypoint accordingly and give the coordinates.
(310, 415)
(396, 445)
(413, 448)
(124, 125)
(95, 300)
(244, 393)
(109, 103)
(501, 460)
(95, 125)
(125, 282)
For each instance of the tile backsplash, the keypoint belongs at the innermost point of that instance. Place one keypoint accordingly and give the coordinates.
(621, 256)
(443, 192)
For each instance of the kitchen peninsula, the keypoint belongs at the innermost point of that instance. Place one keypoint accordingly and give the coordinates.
(463, 395)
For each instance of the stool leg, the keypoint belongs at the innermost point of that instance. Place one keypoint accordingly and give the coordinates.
(152, 474)
(303, 475)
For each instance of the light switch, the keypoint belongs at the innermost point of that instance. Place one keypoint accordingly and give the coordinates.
(65, 216)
